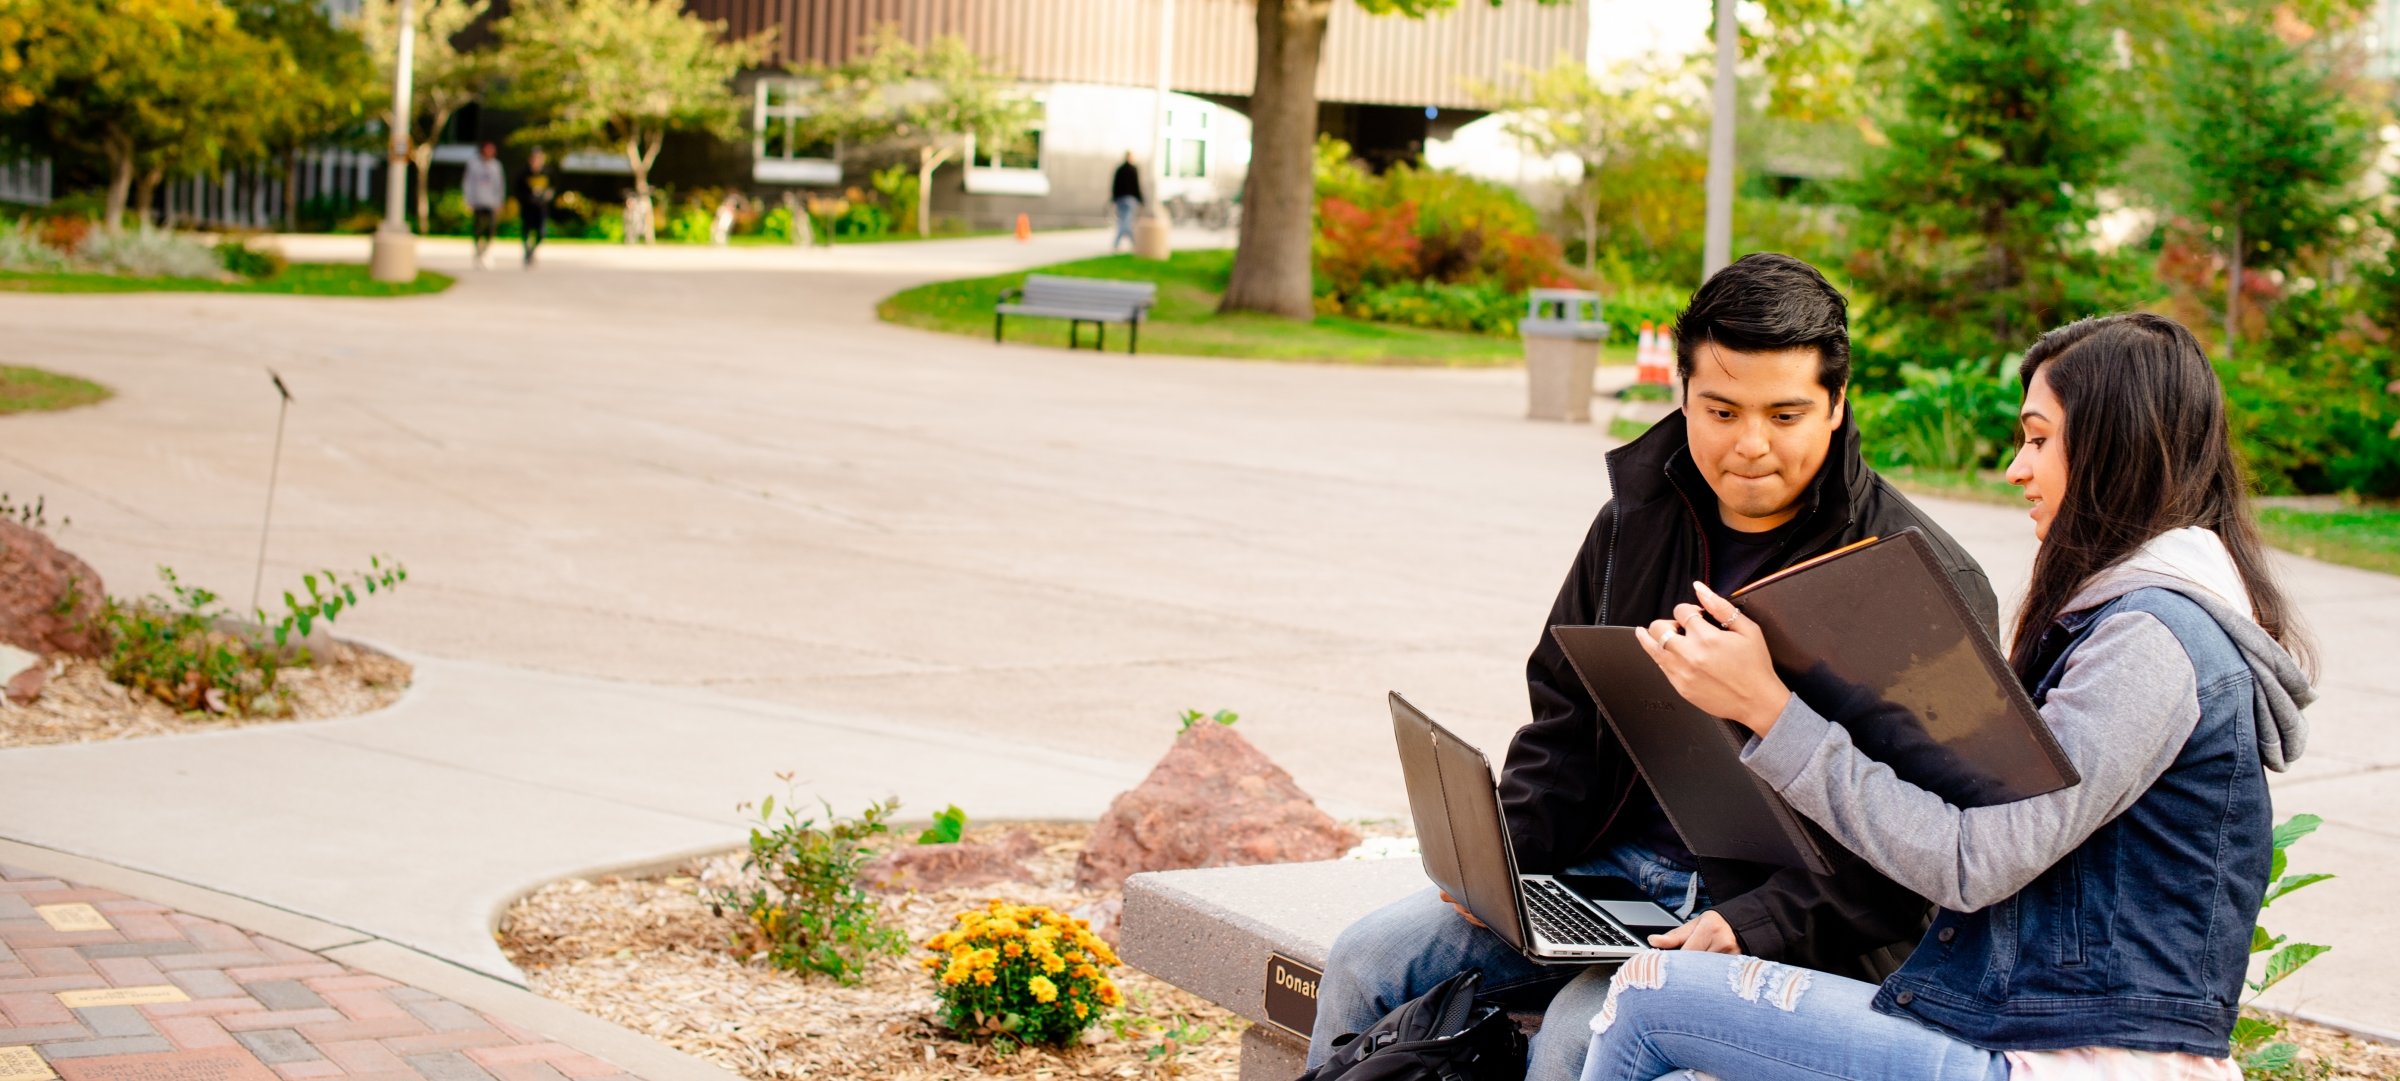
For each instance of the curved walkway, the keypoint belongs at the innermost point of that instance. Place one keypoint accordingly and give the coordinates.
(678, 519)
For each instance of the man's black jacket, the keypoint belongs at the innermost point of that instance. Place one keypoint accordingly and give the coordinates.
(1568, 781)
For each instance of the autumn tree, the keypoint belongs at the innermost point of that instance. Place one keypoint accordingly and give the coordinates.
(327, 90)
(621, 75)
(445, 78)
(1626, 117)
(927, 102)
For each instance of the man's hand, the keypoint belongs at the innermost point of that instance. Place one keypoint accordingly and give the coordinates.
(1462, 909)
(1708, 932)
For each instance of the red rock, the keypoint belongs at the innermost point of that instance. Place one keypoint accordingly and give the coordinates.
(27, 685)
(934, 868)
(49, 600)
(1213, 801)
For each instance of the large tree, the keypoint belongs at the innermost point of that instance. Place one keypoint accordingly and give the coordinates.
(622, 74)
(327, 92)
(927, 102)
(445, 78)
(1975, 226)
(2267, 146)
(148, 87)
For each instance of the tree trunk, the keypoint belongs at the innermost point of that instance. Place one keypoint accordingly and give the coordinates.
(1271, 264)
(291, 189)
(2233, 286)
(145, 192)
(928, 160)
(120, 182)
(422, 158)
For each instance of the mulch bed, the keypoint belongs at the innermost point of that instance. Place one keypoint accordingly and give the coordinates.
(647, 954)
(81, 704)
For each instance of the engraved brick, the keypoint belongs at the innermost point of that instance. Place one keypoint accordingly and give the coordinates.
(195, 1033)
(115, 1021)
(284, 995)
(273, 1045)
(129, 1045)
(243, 1022)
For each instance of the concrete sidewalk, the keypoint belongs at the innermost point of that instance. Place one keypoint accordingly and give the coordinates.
(678, 518)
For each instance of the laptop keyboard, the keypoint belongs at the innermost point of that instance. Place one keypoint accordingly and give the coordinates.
(1558, 917)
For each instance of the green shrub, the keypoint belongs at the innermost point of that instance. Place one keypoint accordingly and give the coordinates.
(254, 263)
(21, 248)
(1484, 308)
(805, 910)
(779, 223)
(1626, 307)
(862, 219)
(2255, 1042)
(147, 252)
(689, 225)
(897, 184)
(447, 214)
(1953, 419)
(188, 651)
(2309, 407)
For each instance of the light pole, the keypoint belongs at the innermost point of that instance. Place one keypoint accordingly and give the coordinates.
(395, 257)
(1717, 249)
(1150, 234)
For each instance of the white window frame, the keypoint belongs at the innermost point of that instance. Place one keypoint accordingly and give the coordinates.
(788, 169)
(1013, 179)
(1188, 124)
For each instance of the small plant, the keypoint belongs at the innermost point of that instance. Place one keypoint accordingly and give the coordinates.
(30, 515)
(1021, 974)
(149, 252)
(188, 651)
(802, 906)
(1192, 717)
(2255, 1045)
(254, 263)
(949, 825)
(1177, 1037)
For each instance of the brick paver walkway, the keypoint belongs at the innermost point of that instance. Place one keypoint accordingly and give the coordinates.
(98, 986)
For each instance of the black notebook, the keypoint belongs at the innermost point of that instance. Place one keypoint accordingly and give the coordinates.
(1875, 638)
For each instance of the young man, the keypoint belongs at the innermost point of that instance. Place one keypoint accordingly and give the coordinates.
(1125, 193)
(1759, 471)
(486, 190)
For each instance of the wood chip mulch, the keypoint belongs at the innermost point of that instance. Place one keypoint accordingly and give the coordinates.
(647, 954)
(81, 704)
(2340, 1055)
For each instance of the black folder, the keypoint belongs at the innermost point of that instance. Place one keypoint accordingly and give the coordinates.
(1875, 638)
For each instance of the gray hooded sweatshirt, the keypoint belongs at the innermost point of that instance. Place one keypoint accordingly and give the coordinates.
(2122, 711)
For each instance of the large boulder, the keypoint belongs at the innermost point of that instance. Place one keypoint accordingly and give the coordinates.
(49, 600)
(1213, 801)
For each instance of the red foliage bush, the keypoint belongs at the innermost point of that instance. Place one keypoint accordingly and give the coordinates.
(1360, 246)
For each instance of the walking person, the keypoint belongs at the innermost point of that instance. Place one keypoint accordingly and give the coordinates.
(2102, 930)
(1126, 192)
(534, 195)
(486, 191)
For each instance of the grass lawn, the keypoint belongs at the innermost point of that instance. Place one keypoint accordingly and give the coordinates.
(1185, 320)
(299, 279)
(32, 390)
(2366, 537)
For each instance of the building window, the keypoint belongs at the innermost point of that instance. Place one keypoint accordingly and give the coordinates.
(1014, 169)
(1187, 143)
(779, 154)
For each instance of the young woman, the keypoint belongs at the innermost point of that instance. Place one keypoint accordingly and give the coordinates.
(2100, 931)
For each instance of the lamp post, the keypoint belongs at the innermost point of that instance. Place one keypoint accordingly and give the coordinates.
(1717, 247)
(395, 255)
(1150, 233)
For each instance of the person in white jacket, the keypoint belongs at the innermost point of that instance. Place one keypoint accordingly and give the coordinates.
(487, 191)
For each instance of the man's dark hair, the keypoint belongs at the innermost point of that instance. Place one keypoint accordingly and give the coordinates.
(1768, 302)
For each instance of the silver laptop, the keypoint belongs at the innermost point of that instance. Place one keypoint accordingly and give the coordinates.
(1464, 839)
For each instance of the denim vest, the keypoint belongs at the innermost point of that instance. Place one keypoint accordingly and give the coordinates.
(2140, 937)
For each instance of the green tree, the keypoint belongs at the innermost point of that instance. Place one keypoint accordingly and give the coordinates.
(1975, 216)
(928, 102)
(330, 88)
(148, 87)
(1615, 125)
(444, 77)
(2266, 145)
(621, 74)
(1271, 270)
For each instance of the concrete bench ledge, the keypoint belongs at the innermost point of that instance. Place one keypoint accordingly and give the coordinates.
(1210, 931)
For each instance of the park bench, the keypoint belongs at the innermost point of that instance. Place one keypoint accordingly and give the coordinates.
(1079, 301)
(1254, 940)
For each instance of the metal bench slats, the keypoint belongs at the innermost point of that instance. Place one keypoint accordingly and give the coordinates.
(1079, 301)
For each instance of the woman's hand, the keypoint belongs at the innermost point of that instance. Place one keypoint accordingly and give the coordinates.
(1724, 671)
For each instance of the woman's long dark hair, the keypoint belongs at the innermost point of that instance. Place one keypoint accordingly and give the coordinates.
(2147, 452)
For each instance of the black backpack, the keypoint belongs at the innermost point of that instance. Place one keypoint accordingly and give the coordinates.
(1442, 1035)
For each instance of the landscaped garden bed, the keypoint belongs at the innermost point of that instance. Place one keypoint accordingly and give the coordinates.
(80, 703)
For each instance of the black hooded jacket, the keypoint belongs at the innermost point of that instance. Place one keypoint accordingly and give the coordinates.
(1570, 789)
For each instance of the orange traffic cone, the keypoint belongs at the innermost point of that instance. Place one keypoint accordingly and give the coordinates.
(1024, 227)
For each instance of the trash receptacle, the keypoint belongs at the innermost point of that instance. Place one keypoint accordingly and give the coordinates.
(1562, 332)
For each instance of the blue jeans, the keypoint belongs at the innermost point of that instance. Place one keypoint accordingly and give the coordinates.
(1719, 1015)
(1403, 949)
(1125, 208)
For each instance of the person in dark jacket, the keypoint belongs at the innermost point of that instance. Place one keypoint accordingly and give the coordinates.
(1125, 193)
(2100, 930)
(1758, 471)
(534, 196)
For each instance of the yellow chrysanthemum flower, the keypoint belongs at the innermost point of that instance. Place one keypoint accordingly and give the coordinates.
(1043, 990)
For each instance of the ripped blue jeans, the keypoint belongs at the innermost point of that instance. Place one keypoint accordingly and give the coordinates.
(1721, 1015)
